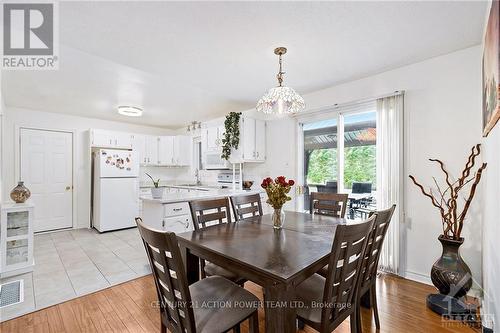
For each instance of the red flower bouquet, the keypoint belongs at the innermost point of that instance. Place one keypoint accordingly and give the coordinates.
(277, 190)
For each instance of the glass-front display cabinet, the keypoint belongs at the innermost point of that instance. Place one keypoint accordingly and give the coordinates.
(16, 239)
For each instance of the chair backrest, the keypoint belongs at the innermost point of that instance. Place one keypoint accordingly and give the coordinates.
(245, 206)
(331, 186)
(333, 204)
(344, 270)
(170, 279)
(209, 212)
(374, 247)
(358, 187)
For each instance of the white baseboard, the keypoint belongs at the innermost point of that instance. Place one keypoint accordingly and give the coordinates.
(418, 277)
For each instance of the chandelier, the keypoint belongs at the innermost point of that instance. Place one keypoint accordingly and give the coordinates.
(280, 100)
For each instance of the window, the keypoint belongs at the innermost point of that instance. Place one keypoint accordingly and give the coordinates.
(360, 159)
(351, 130)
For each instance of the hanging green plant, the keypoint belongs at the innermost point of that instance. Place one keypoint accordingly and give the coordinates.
(231, 134)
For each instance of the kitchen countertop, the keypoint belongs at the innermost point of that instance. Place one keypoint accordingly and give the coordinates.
(181, 184)
(173, 197)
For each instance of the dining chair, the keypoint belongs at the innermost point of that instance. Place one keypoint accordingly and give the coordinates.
(177, 300)
(245, 206)
(368, 279)
(206, 213)
(332, 204)
(329, 301)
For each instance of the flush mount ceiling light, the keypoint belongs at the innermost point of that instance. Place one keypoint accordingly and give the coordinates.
(281, 100)
(130, 111)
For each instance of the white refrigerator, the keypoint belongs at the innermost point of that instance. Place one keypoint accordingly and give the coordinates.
(116, 189)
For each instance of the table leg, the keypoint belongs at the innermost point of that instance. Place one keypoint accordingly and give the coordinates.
(192, 267)
(280, 309)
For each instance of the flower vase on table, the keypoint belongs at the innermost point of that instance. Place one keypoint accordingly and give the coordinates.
(277, 192)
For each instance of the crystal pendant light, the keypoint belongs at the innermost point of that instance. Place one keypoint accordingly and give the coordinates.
(281, 100)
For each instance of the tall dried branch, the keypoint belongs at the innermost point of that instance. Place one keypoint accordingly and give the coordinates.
(475, 151)
(448, 203)
(441, 165)
(472, 192)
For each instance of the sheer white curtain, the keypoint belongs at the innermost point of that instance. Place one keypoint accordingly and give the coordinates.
(390, 173)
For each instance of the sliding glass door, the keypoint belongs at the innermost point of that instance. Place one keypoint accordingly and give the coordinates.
(360, 150)
(338, 154)
(320, 161)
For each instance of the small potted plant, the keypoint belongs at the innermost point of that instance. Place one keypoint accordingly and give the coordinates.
(277, 192)
(156, 190)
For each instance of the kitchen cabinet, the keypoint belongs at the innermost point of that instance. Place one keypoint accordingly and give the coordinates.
(139, 146)
(166, 150)
(146, 148)
(173, 217)
(151, 150)
(252, 147)
(260, 140)
(182, 150)
(16, 239)
(212, 138)
(175, 150)
(110, 139)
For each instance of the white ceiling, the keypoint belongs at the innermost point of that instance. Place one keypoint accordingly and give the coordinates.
(199, 60)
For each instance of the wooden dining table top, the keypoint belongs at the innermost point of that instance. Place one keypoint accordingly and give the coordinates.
(280, 255)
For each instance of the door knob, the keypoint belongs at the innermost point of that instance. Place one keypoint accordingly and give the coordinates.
(68, 188)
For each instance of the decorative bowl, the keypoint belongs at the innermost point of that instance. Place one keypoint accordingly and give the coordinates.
(247, 184)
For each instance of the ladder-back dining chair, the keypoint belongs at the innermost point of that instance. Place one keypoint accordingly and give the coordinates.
(177, 300)
(332, 204)
(368, 279)
(337, 293)
(206, 213)
(245, 206)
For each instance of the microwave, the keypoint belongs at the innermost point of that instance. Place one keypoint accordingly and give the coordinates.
(213, 161)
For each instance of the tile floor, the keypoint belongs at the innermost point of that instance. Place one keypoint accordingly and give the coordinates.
(72, 263)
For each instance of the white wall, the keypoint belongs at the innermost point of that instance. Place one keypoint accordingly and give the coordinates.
(491, 227)
(490, 185)
(442, 103)
(14, 117)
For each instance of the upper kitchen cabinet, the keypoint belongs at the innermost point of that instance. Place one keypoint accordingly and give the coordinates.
(174, 150)
(139, 146)
(166, 150)
(151, 150)
(182, 150)
(110, 139)
(252, 147)
(212, 138)
(146, 147)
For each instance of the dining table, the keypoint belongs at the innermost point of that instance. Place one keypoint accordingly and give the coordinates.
(276, 259)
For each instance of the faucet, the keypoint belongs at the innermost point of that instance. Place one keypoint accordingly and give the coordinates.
(197, 175)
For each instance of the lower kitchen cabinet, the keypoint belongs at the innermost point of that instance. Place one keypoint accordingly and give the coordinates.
(174, 217)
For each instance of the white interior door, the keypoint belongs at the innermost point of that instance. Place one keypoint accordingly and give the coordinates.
(46, 168)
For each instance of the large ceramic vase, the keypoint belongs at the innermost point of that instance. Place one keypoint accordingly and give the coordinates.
(450, 274)
(20, 193)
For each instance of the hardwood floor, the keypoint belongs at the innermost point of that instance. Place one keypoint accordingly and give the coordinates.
(130, 307)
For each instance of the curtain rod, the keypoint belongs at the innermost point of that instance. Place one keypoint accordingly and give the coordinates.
(346, 104)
